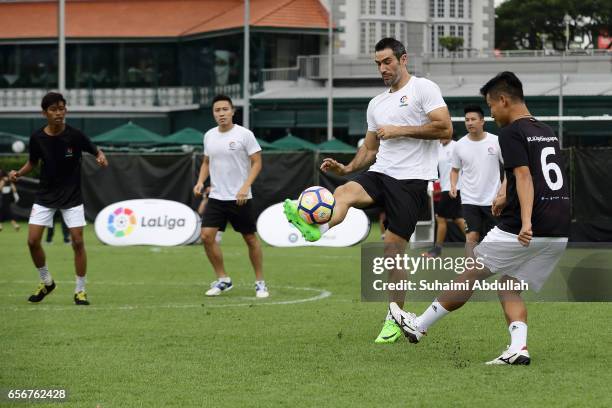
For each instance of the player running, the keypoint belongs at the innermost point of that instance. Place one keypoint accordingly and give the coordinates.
(59, 148)
(534, 221)
(405, 124)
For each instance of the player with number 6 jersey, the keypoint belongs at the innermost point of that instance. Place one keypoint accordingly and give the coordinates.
(535, 217)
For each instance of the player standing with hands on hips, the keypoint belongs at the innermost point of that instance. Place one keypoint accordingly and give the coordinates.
(232, 158)
(59, 148)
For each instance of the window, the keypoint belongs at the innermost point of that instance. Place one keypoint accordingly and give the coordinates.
(460, 11)
(451, 8)
(362, 38)
(383, 7)
(469, 42)
(432, 35)
(363, 7)
(384, 30)
(403, 33)
(392, 32)
(372, 7)
(372, 35)
(470, 9)
(392, 8)
(460, 32)
(403, 7)
(432, 8)
(440, 34)
(452, 31)
(440, 8)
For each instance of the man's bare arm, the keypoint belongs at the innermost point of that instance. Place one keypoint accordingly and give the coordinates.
(365, 156)
(440, 127)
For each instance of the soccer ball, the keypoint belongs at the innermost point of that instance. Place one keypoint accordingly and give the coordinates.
(18, 146)
(316, 205)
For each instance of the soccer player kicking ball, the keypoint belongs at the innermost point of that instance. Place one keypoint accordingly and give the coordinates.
(405, 124)
(534, 221)
(59, 148)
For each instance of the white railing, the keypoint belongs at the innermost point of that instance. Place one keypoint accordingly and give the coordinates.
(280, 74)
(125, 97)
(315, 66)
(517, 53)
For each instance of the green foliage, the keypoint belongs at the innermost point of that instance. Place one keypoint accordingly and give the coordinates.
(451, 43)
(15, 162)
(522, 24)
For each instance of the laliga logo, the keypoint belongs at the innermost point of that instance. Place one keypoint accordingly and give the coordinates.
(121, 222)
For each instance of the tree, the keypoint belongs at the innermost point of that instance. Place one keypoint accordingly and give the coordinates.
(451, 43)
(522, 24)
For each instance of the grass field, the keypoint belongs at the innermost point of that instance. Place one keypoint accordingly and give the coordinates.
(151, 339)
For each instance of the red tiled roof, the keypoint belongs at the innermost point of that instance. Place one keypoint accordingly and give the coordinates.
(153, 18)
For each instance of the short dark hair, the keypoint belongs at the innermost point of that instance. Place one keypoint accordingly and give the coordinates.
(220, 98)
(504, 83)
(393, 44)
(474, 108)
(51, 98)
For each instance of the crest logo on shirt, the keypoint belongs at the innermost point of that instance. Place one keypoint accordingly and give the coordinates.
(69, 152)
(403, 101)
(233, 145)
(491, 150)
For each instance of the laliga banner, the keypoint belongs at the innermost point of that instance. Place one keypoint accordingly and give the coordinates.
(275, 230)
(147, 222)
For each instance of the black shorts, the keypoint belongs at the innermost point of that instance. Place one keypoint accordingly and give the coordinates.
(218, 212)
(478, 218)
(449, 207)
(403, 200)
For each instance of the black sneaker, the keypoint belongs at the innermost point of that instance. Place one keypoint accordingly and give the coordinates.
(80, 298)
(41, 291)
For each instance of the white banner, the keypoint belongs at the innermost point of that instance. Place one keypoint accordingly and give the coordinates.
(147, 222)
(275, 230)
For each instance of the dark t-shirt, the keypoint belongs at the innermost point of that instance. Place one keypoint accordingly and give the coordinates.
(60, 173)
(528, 142)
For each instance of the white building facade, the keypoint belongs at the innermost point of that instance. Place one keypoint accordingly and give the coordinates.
(417, 23)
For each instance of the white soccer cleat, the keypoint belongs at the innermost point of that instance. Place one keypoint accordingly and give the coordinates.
(261, 291)
(406, 321)
(218, 287)
(512, 358)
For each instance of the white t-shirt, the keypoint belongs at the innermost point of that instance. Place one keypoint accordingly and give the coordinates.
(229, 162)
(406, 158)
(445, 156)
(480, 164)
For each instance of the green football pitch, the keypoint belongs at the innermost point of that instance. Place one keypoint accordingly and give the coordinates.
(151, 338)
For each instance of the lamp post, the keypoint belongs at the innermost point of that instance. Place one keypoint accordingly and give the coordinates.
(246, 67)
(566, 19)
(330, 73)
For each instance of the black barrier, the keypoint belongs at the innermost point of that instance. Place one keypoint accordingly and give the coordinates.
(286, 174)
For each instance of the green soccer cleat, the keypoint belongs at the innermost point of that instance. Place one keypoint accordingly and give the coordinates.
(310, 232)
(390, 333)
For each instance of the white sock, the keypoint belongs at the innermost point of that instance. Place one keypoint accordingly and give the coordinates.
(260, 283)
(324, 228)
(227, 279)
(80, 284)
(518, 334)
(432, 314)
(44, 274)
